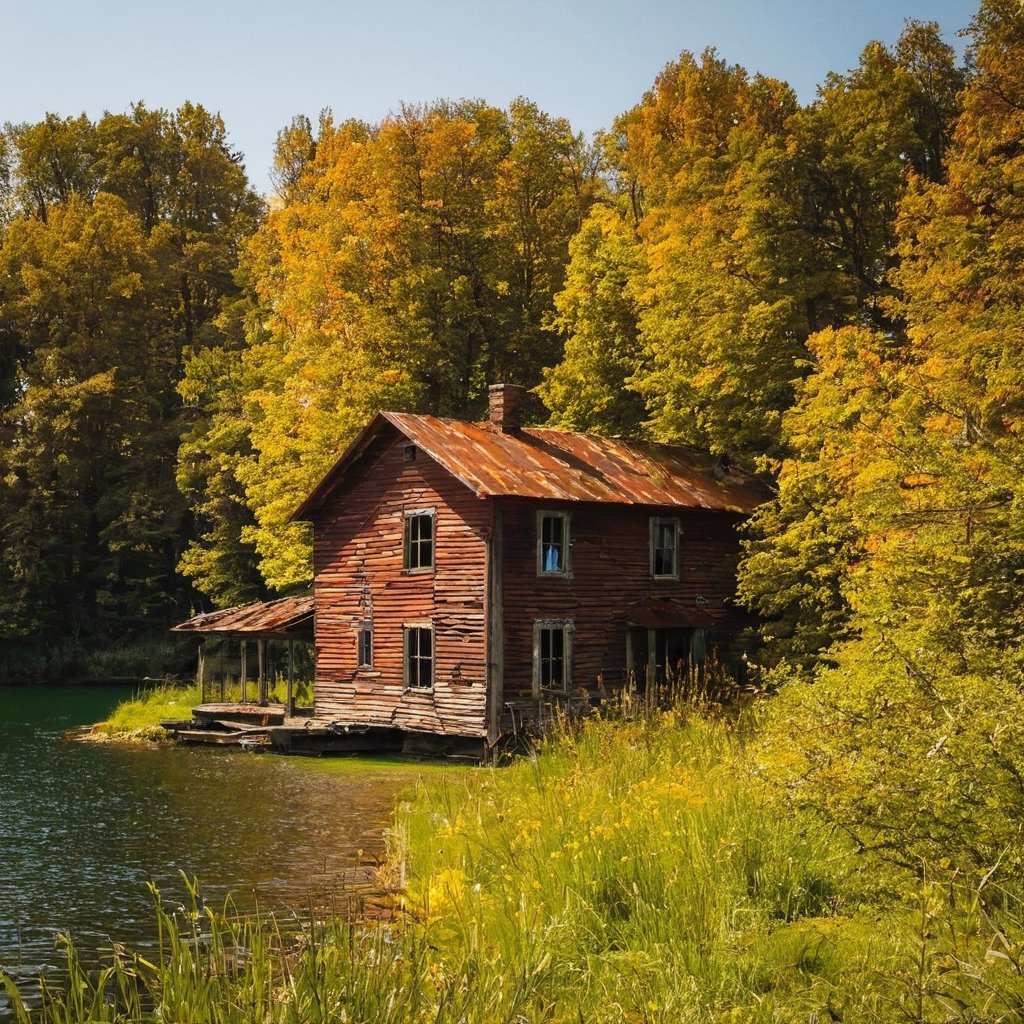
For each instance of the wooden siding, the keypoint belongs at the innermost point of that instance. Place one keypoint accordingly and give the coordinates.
(609, 573)
(358, 565)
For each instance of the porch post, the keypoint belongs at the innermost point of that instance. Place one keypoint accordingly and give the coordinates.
(243, 669)
(201, 671)
(652, 659)
(261, 646)
(290, 705)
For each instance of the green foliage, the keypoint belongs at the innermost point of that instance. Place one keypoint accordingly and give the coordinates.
(917, 766)
(117, 263)
(803, 545)
(213, 449)
(904, 496)
(589, 389)
(83, 512)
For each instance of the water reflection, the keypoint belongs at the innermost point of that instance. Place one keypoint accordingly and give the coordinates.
(83, 828)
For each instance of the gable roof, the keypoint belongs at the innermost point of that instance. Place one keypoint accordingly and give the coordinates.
(555, 465)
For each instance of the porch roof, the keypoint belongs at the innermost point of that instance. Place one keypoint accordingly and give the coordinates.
(288, 618)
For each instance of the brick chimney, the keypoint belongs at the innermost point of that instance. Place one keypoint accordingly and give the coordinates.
(503, 406)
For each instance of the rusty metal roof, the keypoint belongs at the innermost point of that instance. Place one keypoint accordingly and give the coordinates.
(286, 617)
(558, 465)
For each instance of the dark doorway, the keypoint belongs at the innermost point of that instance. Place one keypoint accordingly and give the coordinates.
(658, 655)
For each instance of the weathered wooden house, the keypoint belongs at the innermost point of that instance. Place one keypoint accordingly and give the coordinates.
(466, 570)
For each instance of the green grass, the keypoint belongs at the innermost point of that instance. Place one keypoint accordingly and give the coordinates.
(139, 717)
(628, 872)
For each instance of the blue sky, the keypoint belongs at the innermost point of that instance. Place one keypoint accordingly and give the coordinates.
(260, 62)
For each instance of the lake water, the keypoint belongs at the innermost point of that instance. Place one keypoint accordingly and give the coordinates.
(83, 827)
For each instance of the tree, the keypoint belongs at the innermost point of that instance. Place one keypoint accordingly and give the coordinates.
(294, 151)
(55, 159)
(90, 531)
(720, 313)
(760, 223)
(116, 264)
(596, 312)
(907, 739)
(414, 262)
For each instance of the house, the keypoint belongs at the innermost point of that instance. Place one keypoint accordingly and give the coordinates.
(462, 570)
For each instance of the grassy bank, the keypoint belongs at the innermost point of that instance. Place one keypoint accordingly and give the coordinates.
(138, 718)
(630, 872)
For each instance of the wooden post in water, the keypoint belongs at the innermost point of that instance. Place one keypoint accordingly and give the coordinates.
(261, 654)
(243, 669)
(290, 706)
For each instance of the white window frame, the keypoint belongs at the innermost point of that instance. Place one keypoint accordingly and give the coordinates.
(566, 569)
(407, 518)
(407, 632)
(568, 629)
(656, 522)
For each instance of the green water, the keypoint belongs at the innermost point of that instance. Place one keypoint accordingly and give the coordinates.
(84, 827)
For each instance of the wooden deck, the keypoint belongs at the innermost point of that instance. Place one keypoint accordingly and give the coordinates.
(236, 725)
(267, 727)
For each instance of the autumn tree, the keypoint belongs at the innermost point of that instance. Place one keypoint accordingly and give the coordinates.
(905, 736)
(413, 262)
(719, 334)
(760, 223)
(89, 530)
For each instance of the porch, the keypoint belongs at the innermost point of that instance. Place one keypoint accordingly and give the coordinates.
(239, 706)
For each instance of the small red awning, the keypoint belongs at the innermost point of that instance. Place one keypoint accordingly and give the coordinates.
(668, 613)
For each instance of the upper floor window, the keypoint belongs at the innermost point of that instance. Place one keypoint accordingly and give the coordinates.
(552, 654)
(665, 548)
(552, 544)
(365, 651)
(419, 540)
(419, 657)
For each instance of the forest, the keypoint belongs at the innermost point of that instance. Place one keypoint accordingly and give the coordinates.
(826, 293)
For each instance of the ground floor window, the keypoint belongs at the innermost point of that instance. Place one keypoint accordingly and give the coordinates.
(552, 654)
(419, 657)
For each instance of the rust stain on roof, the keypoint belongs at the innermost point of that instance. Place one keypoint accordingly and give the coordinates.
(292, 616)
(558, 465)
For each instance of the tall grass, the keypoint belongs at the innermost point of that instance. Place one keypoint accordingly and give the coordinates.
(626, 872)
